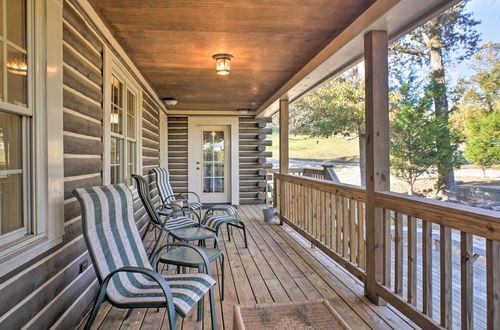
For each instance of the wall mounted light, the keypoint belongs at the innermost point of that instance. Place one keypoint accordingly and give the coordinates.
(169, 101)
(222, 63)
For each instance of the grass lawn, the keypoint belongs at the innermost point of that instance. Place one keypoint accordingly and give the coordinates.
(321, 149)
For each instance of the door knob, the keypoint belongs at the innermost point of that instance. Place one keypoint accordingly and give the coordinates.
(197, 168)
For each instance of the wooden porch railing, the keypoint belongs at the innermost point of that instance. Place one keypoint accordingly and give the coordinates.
(429, 247)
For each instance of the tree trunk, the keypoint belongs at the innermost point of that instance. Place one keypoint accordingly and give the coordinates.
(484, 172)
(362, 155)
(410, 188)
(446, 177)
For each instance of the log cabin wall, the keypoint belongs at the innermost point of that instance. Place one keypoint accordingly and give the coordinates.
(53, 290)
(253, 156)
(150, 142)
(253, 159)
(178, 153)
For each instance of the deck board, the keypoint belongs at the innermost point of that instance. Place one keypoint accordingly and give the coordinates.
(278, 266)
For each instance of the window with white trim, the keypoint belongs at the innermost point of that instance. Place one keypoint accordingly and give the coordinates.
(123, 122)
(16, 122)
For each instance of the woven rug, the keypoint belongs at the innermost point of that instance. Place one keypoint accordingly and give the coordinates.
(306, 315)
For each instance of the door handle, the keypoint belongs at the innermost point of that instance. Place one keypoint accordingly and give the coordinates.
(197, 168)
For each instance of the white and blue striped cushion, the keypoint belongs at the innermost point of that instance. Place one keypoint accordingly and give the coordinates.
(136, 289)
(164, 187)
(179, 223)
(229, 209)
(195, 206)
(215, 221)
(113, 241)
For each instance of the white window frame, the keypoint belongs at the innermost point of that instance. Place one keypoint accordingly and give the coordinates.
(113, 67)
(45, 167)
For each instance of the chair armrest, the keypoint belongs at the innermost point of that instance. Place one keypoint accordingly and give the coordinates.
(149, 273)
(203, 255)
(191, 192)
(173, 206)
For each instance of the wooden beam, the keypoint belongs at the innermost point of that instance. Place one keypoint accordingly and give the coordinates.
(283, 136)
(377, 152)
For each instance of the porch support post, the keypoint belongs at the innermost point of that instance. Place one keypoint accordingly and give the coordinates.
(283, 112)
(377, 153)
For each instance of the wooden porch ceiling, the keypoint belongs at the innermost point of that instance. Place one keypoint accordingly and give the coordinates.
(172, 42)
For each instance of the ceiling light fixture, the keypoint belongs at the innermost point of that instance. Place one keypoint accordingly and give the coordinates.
(244, 111)
(222, 63)
(170, 101)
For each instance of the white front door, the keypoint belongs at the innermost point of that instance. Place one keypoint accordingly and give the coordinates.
(212, 159)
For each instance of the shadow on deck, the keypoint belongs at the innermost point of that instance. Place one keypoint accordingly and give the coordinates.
(278, 266)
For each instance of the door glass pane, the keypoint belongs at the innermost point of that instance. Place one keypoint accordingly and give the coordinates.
(131, 114)
(213, 148)
(16, 22)
(11, 173)
(17, 74)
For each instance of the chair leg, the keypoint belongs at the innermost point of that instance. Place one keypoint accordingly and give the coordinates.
(171, 319)
(244, 234)
(212, 310)
(98, 301)
(222, 274)
(200, 302)
(228, 232)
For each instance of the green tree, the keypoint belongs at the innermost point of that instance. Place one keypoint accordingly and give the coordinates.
(478, 111)
(336, 108)
(413, 133)
(483, 147)
(449, 35)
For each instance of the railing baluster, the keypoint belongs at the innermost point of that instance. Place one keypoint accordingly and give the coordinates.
(328, 239)
(345, 226)
(316, 209)
(466, 280)
(304, 206)
(427, 267)
(361, 235)
(398, 253)
(445, 275)
(354, 230)
(387, 246)
(326, 210)
(322, 216)
(310, 211)
(493, 284)
(412, 260)
(339, 225)
(333, 214)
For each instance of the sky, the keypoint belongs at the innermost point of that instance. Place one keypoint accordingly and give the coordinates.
(488, 12)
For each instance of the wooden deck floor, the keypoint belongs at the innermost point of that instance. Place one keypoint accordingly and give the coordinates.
(278, 266)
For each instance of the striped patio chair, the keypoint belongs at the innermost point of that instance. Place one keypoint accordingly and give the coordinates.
(215, 222)
(182, 229)
(127, 278)
(167, 195)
